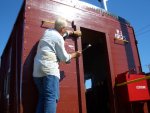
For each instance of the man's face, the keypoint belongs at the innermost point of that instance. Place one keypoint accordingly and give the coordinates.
(64, 30)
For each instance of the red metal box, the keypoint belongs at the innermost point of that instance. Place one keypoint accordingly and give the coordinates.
(132, 87)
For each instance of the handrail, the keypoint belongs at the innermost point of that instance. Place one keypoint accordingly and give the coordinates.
(132, 81)
(121, 40)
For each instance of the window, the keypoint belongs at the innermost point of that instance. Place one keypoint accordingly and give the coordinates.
(88, 83)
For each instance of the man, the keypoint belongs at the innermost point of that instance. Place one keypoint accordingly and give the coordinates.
(46, 72)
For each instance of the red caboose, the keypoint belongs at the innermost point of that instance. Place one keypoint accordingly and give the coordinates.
(113, 53)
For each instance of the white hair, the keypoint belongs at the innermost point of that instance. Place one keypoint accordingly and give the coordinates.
(60, 23)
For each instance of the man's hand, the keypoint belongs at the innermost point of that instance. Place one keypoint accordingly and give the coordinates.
(77, 33)
(76, 54)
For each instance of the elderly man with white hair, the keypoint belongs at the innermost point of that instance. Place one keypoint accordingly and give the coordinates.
(46, 73)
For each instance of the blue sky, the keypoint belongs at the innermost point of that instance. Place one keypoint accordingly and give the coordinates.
(135, 11)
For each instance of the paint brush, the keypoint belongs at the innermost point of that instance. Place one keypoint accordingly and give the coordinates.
(89, 45)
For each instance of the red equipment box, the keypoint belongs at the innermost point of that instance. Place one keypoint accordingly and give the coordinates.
(132, 87)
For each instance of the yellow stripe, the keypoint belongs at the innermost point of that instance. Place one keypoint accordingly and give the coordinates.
(132, 81)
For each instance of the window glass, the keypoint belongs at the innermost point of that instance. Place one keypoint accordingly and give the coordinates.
(88, 83)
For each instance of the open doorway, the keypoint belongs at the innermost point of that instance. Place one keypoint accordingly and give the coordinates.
(96, 71)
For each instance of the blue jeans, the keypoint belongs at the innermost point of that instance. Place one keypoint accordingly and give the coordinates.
(48, 88)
